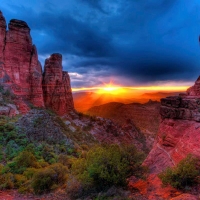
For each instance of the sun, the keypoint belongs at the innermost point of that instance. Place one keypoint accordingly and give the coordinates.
(110, 88)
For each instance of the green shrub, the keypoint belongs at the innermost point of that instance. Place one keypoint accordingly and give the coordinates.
(43, 180)
(7, 181)
(47, 179)
(61, 173)
(19, 180)
(29, 172)
(184, 175)
(26, 159)
(23, 161)
(107, 166)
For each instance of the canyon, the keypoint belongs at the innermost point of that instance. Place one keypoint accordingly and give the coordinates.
(174, 123)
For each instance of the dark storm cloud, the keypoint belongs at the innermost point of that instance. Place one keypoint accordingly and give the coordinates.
(94, 4)
(62, 32)
(144, 40)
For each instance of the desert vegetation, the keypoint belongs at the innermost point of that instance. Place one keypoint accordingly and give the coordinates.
(5, 96)
(79, 169)
(184, 175)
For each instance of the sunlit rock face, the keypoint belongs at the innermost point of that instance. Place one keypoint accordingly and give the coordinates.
(56, 86)
(21, 72)
(179, 131)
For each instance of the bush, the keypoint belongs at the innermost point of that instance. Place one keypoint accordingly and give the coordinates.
(47, 179)
(75, 189)
(29, 172)
(23, 161)
(183, 175)
(106, 166)
(7, 181)
(43, 181)
(19, 180)
(61, 173)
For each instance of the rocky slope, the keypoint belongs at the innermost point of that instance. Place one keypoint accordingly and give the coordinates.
(21, 72)
(106, 131)
(144, 116)
(179, 130)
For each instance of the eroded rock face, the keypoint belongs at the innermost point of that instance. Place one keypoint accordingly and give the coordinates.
(21, 72)
(56, 86)
(2, 44)
(194, 90)
(179, 131)
(36, 92)
(186, 108)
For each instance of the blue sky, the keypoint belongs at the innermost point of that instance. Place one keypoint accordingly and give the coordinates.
(131, 42)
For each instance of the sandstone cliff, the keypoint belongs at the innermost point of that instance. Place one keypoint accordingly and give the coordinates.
(179, 131)
(21, 72)
(56, 86)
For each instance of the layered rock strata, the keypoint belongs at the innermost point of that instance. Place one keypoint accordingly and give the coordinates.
(179, 131)
(21, 72)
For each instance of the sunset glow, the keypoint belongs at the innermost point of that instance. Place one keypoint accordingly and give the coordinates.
(114, 89)
(111, 88)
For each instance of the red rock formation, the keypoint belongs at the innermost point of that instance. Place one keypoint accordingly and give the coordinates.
(21, 72)
(195, 90)
(2, 44)
(56, 86)
(22, 65)
(179, 131)
(36, 92)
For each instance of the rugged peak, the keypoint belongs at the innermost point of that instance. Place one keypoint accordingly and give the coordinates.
(54, 62)
(16, 24)
(56, 86)
(56, 56)
(2, 20)
(194, 90)
(198, 80)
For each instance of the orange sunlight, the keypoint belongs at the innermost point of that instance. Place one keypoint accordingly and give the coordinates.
(116, 90)
(111, 88)
(110, 92)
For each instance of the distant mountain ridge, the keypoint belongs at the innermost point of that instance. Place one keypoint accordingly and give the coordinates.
(92, 99)
(144, 116)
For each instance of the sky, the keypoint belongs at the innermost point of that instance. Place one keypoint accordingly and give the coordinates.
(128, 42)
